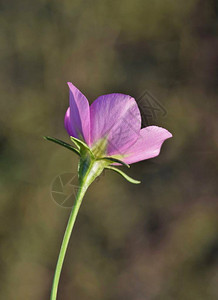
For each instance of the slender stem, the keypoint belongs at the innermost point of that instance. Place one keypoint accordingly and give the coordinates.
(67, 234)
(88, 171)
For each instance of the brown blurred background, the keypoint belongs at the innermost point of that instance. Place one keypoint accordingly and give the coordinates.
(155, 241)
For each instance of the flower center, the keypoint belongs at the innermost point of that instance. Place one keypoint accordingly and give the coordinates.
(99, 149)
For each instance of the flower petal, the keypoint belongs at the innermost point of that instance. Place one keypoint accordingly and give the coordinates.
(77, 117)
(115, 117)
(148, 144)
(67, 122)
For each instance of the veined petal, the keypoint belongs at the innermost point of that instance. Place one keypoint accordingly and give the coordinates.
(116, 118)
(77, 117)
(148, 144)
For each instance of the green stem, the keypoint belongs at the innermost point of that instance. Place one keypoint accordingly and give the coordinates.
(88, 170)
(69, 228)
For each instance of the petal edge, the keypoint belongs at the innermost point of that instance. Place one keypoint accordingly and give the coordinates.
(148, 144)
(77, 117)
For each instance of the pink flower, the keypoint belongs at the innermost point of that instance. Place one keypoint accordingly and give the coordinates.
(111, 126)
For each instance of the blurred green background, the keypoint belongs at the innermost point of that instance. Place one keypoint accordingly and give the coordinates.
(155, 241)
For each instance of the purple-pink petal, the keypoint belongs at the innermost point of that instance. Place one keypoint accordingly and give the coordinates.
(148, 144)
(67, 122)
(77, 117)
(117, 118)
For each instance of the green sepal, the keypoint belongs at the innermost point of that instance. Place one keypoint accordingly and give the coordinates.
(82, 146)
(128, 178)
(89, 169)
(59, 142)
(114, 160)
(83, 167)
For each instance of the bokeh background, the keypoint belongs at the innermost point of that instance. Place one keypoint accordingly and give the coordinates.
(154, 241)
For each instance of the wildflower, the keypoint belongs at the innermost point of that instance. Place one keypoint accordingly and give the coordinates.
(112, 124)
(106, 133)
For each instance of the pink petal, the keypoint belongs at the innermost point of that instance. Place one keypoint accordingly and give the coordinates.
(117, 118)
(148, 144)
(67, 122)
(77, 117)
